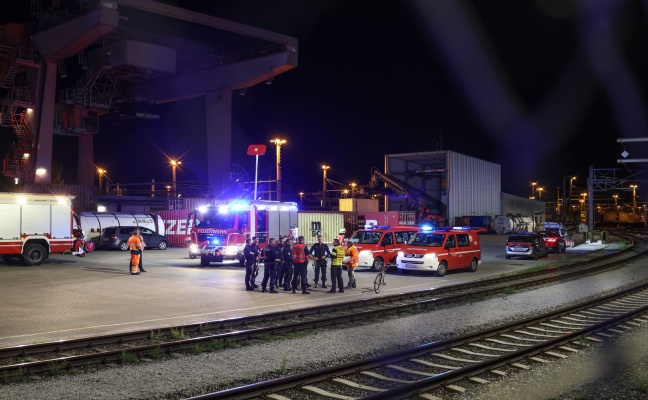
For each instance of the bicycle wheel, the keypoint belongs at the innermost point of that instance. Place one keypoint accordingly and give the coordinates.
(379, 282)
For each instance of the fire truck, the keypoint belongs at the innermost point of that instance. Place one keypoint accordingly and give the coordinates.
(218, 231)
(35, 225)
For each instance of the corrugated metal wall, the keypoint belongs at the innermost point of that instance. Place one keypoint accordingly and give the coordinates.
(474, 186)
(327, 223)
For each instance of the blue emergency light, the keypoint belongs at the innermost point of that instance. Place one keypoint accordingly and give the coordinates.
(215, 241)
(427, 228)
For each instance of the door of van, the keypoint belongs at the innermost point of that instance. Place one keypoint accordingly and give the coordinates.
(388, 244)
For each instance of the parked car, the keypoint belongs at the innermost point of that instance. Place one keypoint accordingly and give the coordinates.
(526, 244)
(555, 243)
(116, 237)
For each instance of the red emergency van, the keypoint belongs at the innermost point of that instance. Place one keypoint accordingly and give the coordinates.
(380, 244)
(440, 251)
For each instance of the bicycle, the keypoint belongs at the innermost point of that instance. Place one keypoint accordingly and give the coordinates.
(379, 282)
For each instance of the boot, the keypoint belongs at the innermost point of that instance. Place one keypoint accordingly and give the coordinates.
(315, 284)
(353, 285)
(324, 285)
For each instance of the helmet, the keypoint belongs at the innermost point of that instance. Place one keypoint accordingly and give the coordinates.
(342, 231)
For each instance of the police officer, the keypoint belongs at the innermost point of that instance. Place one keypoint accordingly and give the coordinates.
(287, 263)
(250, 252)
(279, 267)
(320, 252)
(269, 270)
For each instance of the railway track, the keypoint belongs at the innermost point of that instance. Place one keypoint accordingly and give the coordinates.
(450, 365)
(66, 354)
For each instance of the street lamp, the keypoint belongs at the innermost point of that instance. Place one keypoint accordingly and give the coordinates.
(324, 169)
(301, 198)
(101, 173)
(174, 165)
(540, 189)
(278, 142)
(533, 185)
(634, 199)
(346, 193)
(615, 196)
(565, 204)
(353, 188)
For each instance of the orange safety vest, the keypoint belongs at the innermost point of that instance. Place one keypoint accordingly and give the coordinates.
(299, 253)
(353, 253)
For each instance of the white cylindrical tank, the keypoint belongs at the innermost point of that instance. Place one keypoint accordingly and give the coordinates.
(505, 224)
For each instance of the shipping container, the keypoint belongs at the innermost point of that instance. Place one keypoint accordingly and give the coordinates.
(359, 205)
(383, 218)
(462, 221)
(328, 224)
(481, 221)
(407, 218)
(505, 224)
(176, 228)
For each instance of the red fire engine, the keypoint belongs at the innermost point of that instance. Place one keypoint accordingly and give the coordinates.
(218, 232)
(35, 225)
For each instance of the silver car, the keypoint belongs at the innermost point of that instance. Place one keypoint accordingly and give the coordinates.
(526, 244)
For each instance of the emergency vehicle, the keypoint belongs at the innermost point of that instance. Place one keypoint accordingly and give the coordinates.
(440, 251)
(379, 245)
(218, 232)
(35, 225)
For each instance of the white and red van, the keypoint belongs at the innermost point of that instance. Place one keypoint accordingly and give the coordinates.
(440, 251)
(378, 245)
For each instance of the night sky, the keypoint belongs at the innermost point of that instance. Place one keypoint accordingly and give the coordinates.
(543, 88)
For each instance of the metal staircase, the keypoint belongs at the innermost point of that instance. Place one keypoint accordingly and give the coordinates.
(17, 164)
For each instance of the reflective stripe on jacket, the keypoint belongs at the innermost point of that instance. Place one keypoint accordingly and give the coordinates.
(299, 253)
(337, 255)
(352, 252)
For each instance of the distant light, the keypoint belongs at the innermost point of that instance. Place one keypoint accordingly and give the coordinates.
(61, 200)
(101, 209)
(25, 156)
(202, 209)
(222, 209)
(41, 171)
(21, 200)
(16, 181)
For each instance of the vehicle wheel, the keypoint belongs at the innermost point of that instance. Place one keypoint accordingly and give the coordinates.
(377, 264)
(123, 246)
(473, 265)
(564, 249)
(403, 271)
(163, 245)
(379, 282)
(441, 269)
(204, 261)
(192, 256)
(535, 255)
(89, 247)
(34, 254)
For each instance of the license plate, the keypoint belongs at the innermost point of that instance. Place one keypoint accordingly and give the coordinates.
(410, 266)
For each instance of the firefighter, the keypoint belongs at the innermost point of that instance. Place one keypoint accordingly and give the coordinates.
(250, 252)
(135, 246)
(337, 255)
(300, 256)
(340, 237)
(352, 263)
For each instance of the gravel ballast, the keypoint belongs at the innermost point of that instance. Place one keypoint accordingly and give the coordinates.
(187, 375)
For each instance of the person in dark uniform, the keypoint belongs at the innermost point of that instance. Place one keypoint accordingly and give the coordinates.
(250, 252)
(287, 263)
(320, 252)
(269, 269)
(279, 267)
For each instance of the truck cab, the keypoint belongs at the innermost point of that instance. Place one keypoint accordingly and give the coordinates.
(440, 251)
(379, 245)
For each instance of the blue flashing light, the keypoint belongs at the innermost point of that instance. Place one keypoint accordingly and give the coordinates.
(223, 209)
(238, 206)
(427, 228)
(461, 228)
(377, 227)
(202, 209)
(215, 241)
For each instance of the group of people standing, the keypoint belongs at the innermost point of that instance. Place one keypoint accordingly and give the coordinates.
(285, 264)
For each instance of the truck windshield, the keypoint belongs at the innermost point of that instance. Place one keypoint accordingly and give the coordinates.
(427, 239)
(215, 219)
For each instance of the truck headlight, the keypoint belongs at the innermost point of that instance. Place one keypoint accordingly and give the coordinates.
(230, 250)
(401, 254)
(430, 255)
(193, 248)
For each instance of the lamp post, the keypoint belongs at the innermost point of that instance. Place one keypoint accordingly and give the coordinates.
(324, 169)
(101, 173)
(540, 189)
(634, 199)
(353, 188)
(533, 185)
(174, 165)
(278, 143)
(566, 205)
(301, 198)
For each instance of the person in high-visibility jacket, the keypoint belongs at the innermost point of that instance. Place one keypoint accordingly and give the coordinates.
(352, 262)
(135, 246)
(337, 256)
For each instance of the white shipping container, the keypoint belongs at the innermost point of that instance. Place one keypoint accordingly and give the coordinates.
(328, 224)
